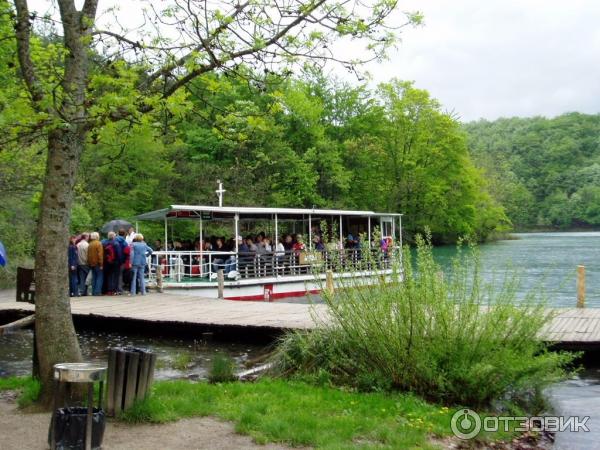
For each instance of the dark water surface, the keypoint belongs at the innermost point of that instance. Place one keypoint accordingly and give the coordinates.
(542, 260)
(176, 358)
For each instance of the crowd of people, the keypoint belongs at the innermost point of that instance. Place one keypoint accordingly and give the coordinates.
(112, 266)
(117, 264)
(220, 252)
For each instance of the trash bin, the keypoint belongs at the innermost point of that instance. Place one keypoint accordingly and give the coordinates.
(70, 428)
(130, 377)
(77, 427)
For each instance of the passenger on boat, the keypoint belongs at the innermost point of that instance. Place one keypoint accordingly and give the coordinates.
(318, 243)
(267, 244)
(288, 243)
(218, 261)
(252, 248)
(299, 246)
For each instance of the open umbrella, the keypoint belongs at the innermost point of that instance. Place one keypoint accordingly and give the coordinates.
(115, 225)
(3, 257)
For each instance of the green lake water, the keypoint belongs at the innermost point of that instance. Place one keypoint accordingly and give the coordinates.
(544, 261)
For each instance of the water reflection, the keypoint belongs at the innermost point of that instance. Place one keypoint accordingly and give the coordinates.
(176, 358)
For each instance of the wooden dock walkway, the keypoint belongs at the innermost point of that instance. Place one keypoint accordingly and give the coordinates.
(577, 326)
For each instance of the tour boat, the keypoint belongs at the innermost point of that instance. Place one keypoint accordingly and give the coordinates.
(268, 276)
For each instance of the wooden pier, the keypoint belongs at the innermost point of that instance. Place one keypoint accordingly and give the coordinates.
(571, 326)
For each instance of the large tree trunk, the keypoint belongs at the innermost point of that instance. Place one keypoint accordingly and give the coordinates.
(55, 333)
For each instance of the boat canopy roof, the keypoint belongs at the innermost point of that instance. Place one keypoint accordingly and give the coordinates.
(228, 212)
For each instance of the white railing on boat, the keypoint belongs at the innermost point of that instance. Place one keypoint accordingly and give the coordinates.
(196, 266)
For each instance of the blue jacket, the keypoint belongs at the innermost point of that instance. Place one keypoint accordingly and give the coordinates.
(122, 244)
(73, 256)
(139, 251)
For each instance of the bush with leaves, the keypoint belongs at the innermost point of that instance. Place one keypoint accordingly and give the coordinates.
(448, 337)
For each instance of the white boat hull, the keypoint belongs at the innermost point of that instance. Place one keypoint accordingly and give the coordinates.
(275, 288)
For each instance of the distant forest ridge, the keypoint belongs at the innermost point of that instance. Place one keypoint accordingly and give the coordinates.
(545, 172)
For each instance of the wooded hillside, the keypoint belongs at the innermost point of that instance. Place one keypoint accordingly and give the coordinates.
(545, 172)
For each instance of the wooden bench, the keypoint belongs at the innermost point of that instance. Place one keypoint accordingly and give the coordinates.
(25, 285)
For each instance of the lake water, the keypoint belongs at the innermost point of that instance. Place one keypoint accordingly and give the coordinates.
(542, 260)
(176, 358)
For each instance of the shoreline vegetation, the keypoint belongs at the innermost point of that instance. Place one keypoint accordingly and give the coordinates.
(294, 412)
(390, 369)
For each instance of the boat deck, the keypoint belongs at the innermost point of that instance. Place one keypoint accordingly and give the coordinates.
(573, 326)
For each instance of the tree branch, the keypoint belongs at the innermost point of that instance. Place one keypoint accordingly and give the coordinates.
(241, 53)
(23, 36)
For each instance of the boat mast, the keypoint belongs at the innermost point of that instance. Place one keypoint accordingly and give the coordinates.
(220, 193)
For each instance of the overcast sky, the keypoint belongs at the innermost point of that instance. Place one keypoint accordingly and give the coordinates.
(495, 58)
(490, 58)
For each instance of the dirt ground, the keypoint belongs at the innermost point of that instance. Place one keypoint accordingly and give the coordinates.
(20, 431)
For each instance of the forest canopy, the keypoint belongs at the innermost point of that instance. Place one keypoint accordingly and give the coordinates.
(304, 139)
(545, 172)
(307, 141)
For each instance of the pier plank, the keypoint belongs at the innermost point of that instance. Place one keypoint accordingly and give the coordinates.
(572, 325)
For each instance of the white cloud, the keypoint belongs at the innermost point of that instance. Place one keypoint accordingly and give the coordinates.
(497, 58)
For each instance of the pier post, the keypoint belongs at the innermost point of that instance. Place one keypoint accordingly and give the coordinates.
(329, 287)
(159, 278)
(580, 286)
(221, 283)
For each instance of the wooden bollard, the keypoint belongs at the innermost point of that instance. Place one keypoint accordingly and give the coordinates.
(159, 278)
(221, 283)
(329, 286)
(580, 286)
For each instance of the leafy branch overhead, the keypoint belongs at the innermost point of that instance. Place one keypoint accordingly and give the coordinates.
(136, 70)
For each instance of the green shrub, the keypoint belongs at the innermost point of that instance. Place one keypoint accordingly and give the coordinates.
(182, 361)
(222, 369)
(447, 337)
(29, 387)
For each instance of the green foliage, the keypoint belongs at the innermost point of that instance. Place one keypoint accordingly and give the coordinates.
(222, 369)
(182, 361)
(298, 141)
(29, 387)
(545, 172)
(299, 414)
(446, 337)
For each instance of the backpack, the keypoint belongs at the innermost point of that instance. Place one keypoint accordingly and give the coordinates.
(110, 253)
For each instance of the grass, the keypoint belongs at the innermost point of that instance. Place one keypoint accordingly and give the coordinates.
(300, 414)
(292, 412)
(182, 361)
(29, 388)
(222, 369)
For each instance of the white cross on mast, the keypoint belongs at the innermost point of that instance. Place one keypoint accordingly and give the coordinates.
(220, 193)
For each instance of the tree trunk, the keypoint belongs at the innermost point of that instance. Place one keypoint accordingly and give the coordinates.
(55, 332)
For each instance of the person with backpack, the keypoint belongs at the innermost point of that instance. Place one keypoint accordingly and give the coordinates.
(120, 239)
(112, 261)
(96, 262)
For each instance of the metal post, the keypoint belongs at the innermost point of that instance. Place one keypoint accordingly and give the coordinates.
(136, 227)
(310, 232)
(580, 286)
(237, 231)
(276, 231)
(341, 234)
(90, 415)
(369, 228)
(201, 245)
(166, 235)
(400, 229)
(393, 230)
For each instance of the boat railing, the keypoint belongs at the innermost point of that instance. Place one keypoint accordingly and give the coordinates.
(191, 266)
